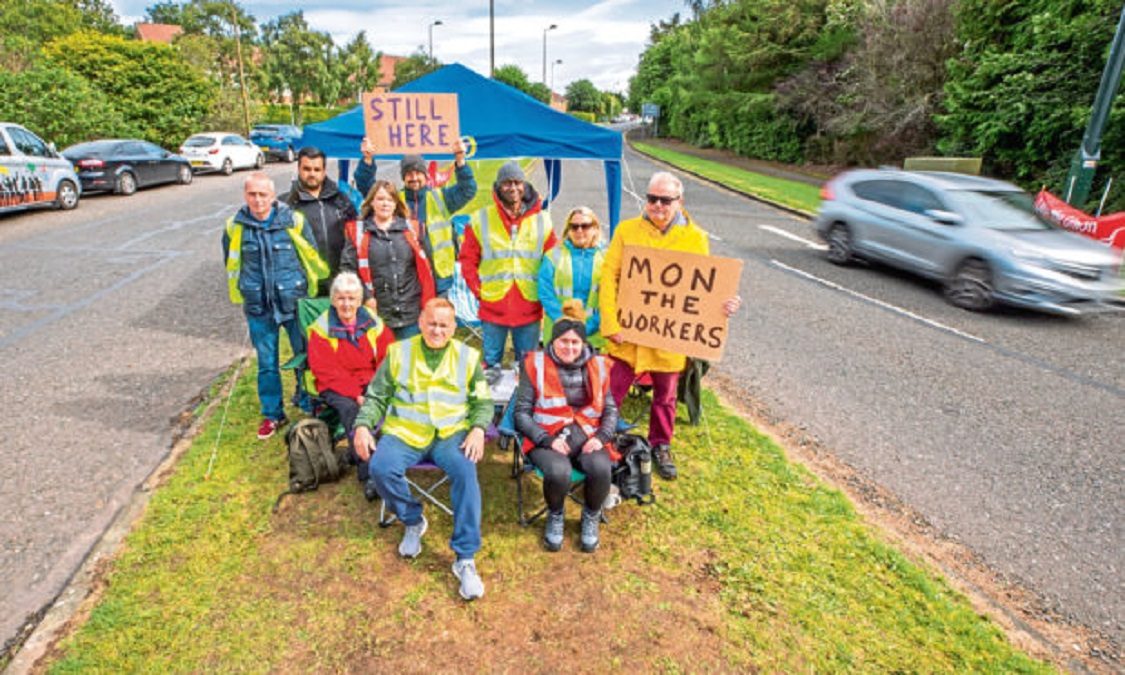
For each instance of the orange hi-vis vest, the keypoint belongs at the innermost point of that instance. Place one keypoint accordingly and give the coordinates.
(552, 412)
(361, 240)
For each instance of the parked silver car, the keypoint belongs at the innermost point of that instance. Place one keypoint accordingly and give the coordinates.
(980, 237)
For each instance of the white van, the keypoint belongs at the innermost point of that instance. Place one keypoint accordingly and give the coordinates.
(32, 173)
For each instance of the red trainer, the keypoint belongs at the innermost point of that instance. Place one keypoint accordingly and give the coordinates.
(269, 427)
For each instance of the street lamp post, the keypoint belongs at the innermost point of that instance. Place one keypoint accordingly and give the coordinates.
(556, 62)
(436, 23)
(551, 27)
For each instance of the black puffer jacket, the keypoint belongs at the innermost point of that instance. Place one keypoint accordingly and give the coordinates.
(326, 215)
(576, 385)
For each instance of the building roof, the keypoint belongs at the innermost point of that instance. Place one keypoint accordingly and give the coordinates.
(158, 32)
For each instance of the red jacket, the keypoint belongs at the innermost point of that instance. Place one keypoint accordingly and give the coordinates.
(513, 309)
(343, 366)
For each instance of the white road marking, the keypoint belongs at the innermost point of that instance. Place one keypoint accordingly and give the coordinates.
(893, 308)
(789, 235)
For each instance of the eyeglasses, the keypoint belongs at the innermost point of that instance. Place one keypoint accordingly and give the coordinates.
(581, 226)
(662, 199)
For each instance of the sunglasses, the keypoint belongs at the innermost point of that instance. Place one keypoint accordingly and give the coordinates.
(661, 199)
(581, 226)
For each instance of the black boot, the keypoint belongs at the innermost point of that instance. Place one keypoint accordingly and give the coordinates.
(662, 455)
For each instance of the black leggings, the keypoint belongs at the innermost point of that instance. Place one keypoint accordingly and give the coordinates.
(556, 476)
(348, 410)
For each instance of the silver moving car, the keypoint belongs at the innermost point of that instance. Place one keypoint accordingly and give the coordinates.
(980, 237)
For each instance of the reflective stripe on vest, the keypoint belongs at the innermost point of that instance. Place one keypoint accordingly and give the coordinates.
(439, 228)
(361, 239)
(506, 261)
(551, 411)
(320, 327)
(428, 402)
(314, 267)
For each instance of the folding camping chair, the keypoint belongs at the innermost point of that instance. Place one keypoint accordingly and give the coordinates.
(523, 469)
(423, 491)
(308, 311)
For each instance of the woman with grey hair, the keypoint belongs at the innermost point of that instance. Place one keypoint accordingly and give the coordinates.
(347, 343)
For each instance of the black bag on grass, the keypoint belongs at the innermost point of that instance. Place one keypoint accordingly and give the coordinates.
(633, 474)
(313, 458)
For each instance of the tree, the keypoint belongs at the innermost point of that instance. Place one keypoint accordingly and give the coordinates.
(27, 24)
(359, 66)
(60, 105)
(151, 85)
(296, 61)
(513, 76)
(540, 92)
(583, 95)
(414, 66)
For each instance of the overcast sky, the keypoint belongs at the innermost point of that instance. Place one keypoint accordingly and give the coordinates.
(599, 41)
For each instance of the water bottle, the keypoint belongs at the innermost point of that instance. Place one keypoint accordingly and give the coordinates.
(644, 456)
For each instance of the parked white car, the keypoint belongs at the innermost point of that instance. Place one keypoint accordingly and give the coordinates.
(32, 173)
(221, 151)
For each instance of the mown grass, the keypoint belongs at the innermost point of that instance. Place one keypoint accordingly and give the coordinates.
(747, 562)
(789, 193)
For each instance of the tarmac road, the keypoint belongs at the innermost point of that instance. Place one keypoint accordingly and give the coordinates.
(113, 317)
(1002, 429)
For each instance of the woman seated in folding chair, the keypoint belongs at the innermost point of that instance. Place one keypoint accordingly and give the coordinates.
(567, 417)
(346, 345)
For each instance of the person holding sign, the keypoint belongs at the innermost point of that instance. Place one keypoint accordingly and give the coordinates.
(663, 225)
(500, 260)
(434, 216)
(573, 271)
(567, 417)
(391, 259)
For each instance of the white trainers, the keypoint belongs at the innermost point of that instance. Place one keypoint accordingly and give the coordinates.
(471, 585)
(411, 544)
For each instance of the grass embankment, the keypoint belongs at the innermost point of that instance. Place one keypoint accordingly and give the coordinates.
(793, 194)
(747, 562)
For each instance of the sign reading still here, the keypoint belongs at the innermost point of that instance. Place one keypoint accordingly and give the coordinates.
(411, 123)
(673, 300)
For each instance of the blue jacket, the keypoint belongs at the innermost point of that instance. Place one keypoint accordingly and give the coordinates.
(582, 260)
(271, 278)
(455, 196)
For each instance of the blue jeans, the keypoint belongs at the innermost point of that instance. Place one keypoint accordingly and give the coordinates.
(407, 331)
(442, 285)
(391, 459)
(264, 335)
(525, 339)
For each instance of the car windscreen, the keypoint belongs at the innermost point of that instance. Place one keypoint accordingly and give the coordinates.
(199, 142)
(999, 209)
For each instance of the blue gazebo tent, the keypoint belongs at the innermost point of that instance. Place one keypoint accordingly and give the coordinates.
(503, 121)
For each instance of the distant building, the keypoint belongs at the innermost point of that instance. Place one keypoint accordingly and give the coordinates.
(387, 66)
(158, 32)
(559, 102)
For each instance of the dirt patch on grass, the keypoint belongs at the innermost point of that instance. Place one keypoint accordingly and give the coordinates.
(1023, 615)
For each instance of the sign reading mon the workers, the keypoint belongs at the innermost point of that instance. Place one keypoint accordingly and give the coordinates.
(411, 123)
(673, 300)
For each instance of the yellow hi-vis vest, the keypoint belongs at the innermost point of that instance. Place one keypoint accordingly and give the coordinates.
(320, 327)
(439, 228)
(564, 285)
(505, 261)
(315, 268)
(428, 402)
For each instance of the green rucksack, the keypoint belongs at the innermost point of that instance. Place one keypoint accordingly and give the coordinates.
(313, 458)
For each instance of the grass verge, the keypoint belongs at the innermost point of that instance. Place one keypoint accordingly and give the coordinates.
(792, 194)
(747, 562)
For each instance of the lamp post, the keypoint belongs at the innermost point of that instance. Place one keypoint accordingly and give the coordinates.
(436, 23)
(551, 27)
(556, 62)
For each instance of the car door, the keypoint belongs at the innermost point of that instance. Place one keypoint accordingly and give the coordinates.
(166, 170)
(232, 150)
(877, 218)
(248, 152)
(37, 172)
(132, 154)
(919, 240)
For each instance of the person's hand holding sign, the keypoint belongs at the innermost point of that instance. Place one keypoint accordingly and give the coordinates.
(730, 307)
(367, 148)
(458, 152)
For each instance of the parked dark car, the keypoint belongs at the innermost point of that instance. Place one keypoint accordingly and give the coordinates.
(123, 166)
(279, 141)
(979, 237)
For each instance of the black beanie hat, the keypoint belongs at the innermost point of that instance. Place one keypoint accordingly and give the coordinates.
(572, 319)
(412, 163)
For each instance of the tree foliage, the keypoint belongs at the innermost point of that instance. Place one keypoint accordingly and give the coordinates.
(60, 105)
(25, 25)
(583, 95)
(414, 66)
(513, 76)
(158, 93)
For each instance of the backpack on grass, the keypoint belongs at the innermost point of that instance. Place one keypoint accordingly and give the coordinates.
(633, 474)
(313, 458)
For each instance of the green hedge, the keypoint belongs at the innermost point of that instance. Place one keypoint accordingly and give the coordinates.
(279, 113)
(584, 116)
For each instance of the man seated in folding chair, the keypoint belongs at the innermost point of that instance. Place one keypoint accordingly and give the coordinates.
(567, 417)
(346, 344)
(437, 406)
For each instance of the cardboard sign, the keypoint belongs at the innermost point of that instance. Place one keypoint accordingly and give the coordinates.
(674, 301)
(415, 124)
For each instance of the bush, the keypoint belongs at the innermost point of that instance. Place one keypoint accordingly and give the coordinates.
(60, 106)
(280, 113)
(583, 115)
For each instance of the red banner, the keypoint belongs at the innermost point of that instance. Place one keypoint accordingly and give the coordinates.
(1107, 229)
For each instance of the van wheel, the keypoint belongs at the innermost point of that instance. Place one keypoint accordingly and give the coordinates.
(126, 184)
(66, 195)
